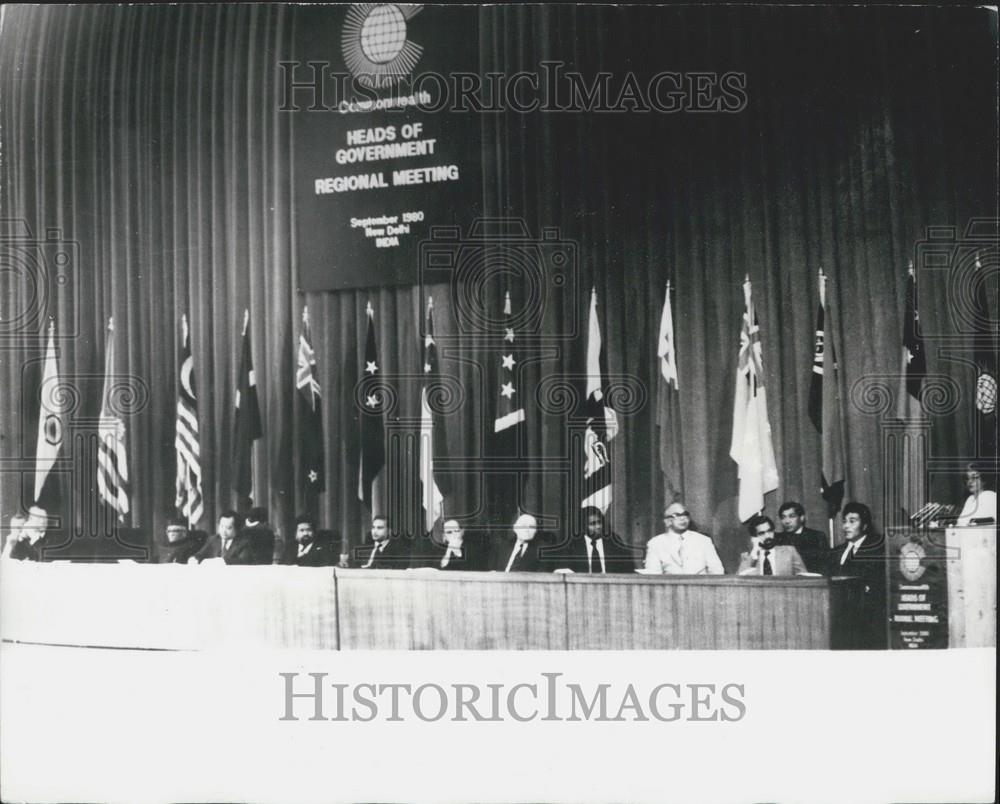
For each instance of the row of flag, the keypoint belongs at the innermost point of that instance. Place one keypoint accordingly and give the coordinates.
(751, 446)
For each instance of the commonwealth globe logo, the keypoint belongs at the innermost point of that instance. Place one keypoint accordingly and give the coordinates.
(375, 45)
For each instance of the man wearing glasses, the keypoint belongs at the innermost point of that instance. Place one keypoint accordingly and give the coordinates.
(680, 551)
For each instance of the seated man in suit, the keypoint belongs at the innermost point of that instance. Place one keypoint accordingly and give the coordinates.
(863, 556)
(310, 549)
(234, 546)
(523, 554)
(178, 543)
(811, 544)
(458, 553)
(766, 556)
(598, 551)
(680, 551)
(388, 552)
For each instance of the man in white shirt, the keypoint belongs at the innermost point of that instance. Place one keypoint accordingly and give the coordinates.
(680, 551)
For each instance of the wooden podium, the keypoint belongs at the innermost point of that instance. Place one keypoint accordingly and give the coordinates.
(972, 586)
(179, 607)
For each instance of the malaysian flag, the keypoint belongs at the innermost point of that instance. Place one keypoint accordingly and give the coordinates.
(431, 496)
(248, 427)
(372, 421)
(112, 457)
(824, 406)
(751, 445)
(190, 500)
(308, 398)
(602, 422)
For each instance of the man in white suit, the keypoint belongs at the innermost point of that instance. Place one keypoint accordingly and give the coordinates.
(765, 557)
(680, 551)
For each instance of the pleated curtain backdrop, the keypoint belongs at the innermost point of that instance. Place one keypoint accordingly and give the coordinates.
(151, 137)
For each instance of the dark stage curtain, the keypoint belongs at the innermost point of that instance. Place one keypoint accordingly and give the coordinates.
(151, 138)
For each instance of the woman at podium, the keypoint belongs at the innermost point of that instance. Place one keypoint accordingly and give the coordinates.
(981, 505)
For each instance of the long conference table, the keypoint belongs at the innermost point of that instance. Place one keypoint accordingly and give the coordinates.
(179, 607)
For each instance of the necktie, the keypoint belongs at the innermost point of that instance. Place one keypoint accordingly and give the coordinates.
(847, 554)
(515, 555)
(680, 553)
(768, 569)
(595, 559)
(371, 558)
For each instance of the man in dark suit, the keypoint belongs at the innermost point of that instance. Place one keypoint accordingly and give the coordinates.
(312, 549)
(459, 552)
(234, 546)
(521, 554)
(178, 543)
(863, 556)
(811, 544)
(261, 543)
(387, 552)
(598, 551)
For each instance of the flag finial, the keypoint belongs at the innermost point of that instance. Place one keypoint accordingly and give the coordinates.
(246, 320)
(111, 324)
(430, 303)
(305, 314)
(369, 310)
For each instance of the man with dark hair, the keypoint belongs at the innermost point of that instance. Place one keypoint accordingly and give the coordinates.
(863, 556)
(597, 551)
(261, 544)
(811, 544)
(178, 543)
(766, 556)
(235, 546)
(388, 552)
(310, 549)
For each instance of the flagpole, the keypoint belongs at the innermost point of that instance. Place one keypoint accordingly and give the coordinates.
(253, 468)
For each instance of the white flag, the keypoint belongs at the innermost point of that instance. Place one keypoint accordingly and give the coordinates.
(751, 446)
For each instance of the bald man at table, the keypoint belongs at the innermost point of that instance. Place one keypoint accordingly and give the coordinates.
(679, 550)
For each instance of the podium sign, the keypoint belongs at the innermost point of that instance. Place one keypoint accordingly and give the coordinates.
(918, 590)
